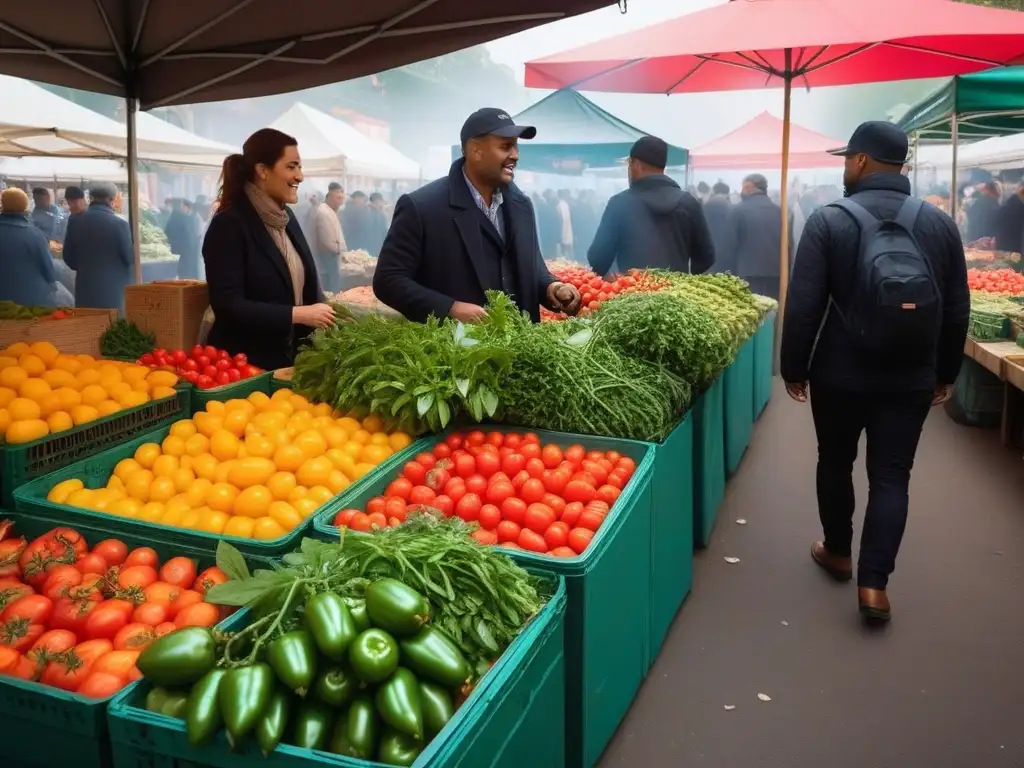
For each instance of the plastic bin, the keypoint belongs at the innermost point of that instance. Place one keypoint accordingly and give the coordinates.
(512, 719)
(43, 726)
(764, 363)
(237, 391)
(708, 461)
(608, 622)
(738, 392)
(672, 491)
(23, 462)
(977, 399)
(94, 473)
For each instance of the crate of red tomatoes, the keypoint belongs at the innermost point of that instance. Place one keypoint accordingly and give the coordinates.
(215, 373)
(577, 505)
(77, 607)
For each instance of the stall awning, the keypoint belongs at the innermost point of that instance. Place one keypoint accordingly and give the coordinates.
(757, 145)
(989, 103)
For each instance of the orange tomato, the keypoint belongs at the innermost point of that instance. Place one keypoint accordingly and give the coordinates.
(161, 592)
(141, 576)
(164, 629)
(184, 599)
(100, 685)
(151, 614)
(142, 556)
(121, 664)
(197, 615)
(179, 571)
(134, 637)
(211, 577)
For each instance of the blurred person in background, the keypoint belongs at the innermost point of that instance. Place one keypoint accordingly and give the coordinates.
(184, 232)
(357, 222)
(264, 291)
(584, 222)
(379, 222)
(565, 232)
(328, 243)
(1009, 227)
(27, 275)
(654, 224)
(703, 192)
(470, 232)
(752, 237)
(983, 212)
(45, 215)
(716, 213)
(76, 204)
(548, 224)
(98, 246)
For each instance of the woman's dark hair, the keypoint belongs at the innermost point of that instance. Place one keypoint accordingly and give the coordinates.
(266, 146)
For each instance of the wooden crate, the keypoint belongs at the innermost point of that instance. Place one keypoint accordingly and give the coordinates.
(172, 310)
(76, 335)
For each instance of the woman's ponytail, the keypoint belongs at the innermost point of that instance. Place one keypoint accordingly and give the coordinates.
(233, 176)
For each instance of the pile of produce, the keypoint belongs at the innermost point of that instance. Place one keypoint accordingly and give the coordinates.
(204, 367)
(10, 310)
(43, 392)
(77, 619)
(153, 243)
(992, 316)
(254, 468)
(125, 339)
(999, 282)
(361, 300)
(358, 263)
(362, 648)
(521, 494)
(595, 290)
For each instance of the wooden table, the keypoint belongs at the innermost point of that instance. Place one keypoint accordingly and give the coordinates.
(1006, 360)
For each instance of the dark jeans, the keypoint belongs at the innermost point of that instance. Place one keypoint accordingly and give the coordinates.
(893, 423)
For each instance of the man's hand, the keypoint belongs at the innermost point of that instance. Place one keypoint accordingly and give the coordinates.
(467, 313)
(797, 390)
(942, 393)
(564, 298)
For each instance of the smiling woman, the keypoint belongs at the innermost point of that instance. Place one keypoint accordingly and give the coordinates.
(261, 275)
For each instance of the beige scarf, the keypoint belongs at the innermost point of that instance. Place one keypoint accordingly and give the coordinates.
(275, 219)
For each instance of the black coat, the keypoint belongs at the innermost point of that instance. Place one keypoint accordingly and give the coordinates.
(433, 254)
(1010, 225)
(824, 270)
(752, 234)
(251, 288)
(716, 213)
(981, 218)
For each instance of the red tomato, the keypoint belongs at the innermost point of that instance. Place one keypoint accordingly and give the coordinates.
(617, 479)
(438, 477)
(91, 588)
(557, 503)
(91, 563)
(10, 552)
(476, 484)
(204, 382)
(12, 591)
(530, 450)
(222, 365)
(100, 685)
(590, 519)
(198, 615)
(578, 490)
(394, 522)
(514, 510)
(520, 479)
(428, 460)
(164, 629)
(151, 614)
(579, 539)
(421, 494)
(395, 507)
(240, 359)
(538, 517)
(476, 437)
(134, 637)
(508, 531)
(161, 592)
(250, 371)
(532, 491)
(499, 491)
(468, 507)
(186, 598)
(608, 494)
(455, 489)
(211, 352)
(513, 464)
(465, 466)
(72, 615)
(627, 465)
(112, 551)
(400, 488)
(60, 581)
(512, 440)
(601, 507)
(341, 519)
(211, 372)
(531, 438)
(444, 505)
(222, 378)
(359, 522)
(51, 643)
(487, 463)
(562, 552)
(234, 375)
(140, 576)
(551, 455)
(442, 451)
(36, 608)
(497, 439)
(189, 366)
(105, 622)
(179, 571)
(147, 359)
(454, 441)
(612, 456)
(535, 467)
(415, 472)
(556, 481)
(596, 470)
(557, 535)
(211, 577)
(532, 541)
(490, 516)
(485, 537)
(376, 504)
(571, 514)
(142, 556)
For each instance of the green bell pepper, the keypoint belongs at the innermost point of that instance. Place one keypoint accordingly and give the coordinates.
(335, 686)
(396, 607)
(357, 609)
(355, 732)
(373, 655)
(330, 622)
(432, 655)
(312, 728)
(292, 656)
(202, 715)
(397, 748)
(438, 707)
(243, 696)
(166, 702)
(398, 702)
(179, 658)
(274, 720)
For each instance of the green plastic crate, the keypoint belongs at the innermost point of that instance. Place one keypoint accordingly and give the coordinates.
(276, 384)
(607, 652)
(512, 719)
(672, 491)
(43, 726)
(764, 362)
(94, 473)
(738, 382)
(23, 462)
(708, 461)
(237, 391)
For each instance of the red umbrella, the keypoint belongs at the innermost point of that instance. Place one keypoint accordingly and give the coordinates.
(755, 145)
(747, 44)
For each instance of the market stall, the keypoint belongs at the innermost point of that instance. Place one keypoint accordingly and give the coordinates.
(755, 145)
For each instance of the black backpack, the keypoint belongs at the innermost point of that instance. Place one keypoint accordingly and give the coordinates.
(895, 310)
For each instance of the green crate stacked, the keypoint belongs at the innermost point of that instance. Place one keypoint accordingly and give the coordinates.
(607, 652)
(94, 473)
(44, 726)
(279, 382)
(512, 719)
(239, 390)
(23, 462)
(738, 381)
(764, 363)
(708, 461)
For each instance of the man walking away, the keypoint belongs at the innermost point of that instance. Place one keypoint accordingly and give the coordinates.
(752, 237)
(328, 242)
(98, 247)
(883, 276)
(652, 224)
(716, 212)
(984, 211)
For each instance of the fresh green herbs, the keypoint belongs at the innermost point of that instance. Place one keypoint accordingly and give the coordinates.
(124, 339)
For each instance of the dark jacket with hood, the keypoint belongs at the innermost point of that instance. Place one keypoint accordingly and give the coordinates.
(750, 247)
(716, 212)
(653, 224)
(816, 345)
(1009, 227)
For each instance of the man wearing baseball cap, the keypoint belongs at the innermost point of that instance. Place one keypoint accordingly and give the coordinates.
(470, 232)
(875, 323)
(652, 224)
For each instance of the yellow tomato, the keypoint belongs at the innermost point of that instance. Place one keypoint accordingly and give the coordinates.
(142, 387)
(253, 501)
(288, 458)
(125, 468)
(311, 443)
(115, 483)
(17, 349)
(320, 495)
(13, 377)
(221, 497)
(191, 518)
(235, 422)
(83, 414)
(45, 351)
(183, 429)
(26, 431)
(58, 421)
(213, 522)
(238, 404)
(31, 364)
(205, 466)
(251, 472)
(220, 475)
(379, 438)
(361, 469)
(259, 446)
(118, 391)
(93, 394)
(108, 407)
(267, 528)
(173, 515)
(206, 423)
(34, 389)
(162, 379)
(6, 395)
(146, 454)
(305, 507)
(374, 454)
(281, 484)
(183, 479)
(224, 445)
(159, 393)
(165, 465)
(373, 424)
(323, 409)
(281, 406)
(48, 404)
(285, 515)
(299, 402)
(198, 491)
(337, 481)
(22, 408)
(173, 446)
(58, 378)
(314, 471)
(5, 421)
(134, 399)
(260, 401)
(67, 397)
(197, 444)
(138, 483)
(60, 492)
(151, 512)
(298, 492)
(162, 490)
(125, 508)
(239, 526)
(81, 498)
(131, 373)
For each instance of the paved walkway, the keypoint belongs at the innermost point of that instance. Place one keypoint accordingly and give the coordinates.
(942, 687)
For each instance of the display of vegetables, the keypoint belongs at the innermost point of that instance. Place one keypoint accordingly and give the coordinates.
(595, 290)
(521, 494)
(204, 367)
(153, 243)
(125, 339)
(77, 619)
(44, 392)
(1000, 282)
(10, 310)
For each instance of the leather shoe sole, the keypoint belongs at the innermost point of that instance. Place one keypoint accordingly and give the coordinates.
(824, 560)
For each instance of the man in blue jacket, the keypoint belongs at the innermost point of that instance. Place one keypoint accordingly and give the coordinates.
(99, 248)
(654, 224)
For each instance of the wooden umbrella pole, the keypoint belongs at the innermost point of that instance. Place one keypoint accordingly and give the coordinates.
(784, 199)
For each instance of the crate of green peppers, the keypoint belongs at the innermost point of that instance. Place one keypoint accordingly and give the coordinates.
(337, 668)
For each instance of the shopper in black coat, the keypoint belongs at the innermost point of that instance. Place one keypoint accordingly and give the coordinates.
(753, 235)
(716, 213)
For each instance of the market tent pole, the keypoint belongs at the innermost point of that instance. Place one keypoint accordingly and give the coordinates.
(787, 98)
(955, 135)
(132, 108)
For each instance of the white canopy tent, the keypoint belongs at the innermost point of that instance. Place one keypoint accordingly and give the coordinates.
(35, 122)
(69, 170)
(332, 146)
(997, 153)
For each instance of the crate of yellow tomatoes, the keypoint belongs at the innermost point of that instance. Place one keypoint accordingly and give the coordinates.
(57, 408)
(252, 471)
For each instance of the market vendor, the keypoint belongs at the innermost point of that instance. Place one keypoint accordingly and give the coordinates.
(264, 291)
(470, 232)
(27, 276)
(98, 246)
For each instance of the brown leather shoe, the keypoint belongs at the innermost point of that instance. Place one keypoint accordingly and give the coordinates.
(839, 568)
(874, 605)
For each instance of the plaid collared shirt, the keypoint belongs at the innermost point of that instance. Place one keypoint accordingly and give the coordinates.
(492, 211)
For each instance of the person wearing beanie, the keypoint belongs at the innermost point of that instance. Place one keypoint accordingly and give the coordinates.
(27, 276)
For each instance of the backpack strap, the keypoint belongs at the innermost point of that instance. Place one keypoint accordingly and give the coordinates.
(908, 213)
(857, 212)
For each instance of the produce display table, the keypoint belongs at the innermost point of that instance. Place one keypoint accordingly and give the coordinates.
(738, 382)
(1004, 359)
(708, 461)
(764, 363)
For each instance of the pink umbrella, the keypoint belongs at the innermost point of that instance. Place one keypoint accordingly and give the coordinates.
(747, 44)
(755, 145)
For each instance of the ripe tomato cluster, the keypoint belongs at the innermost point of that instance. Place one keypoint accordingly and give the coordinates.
(77, 619)
(521, 494)
(1001, 282)
(594, 289)
(204, 367)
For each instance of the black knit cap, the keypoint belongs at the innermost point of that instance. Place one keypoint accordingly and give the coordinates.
(652, 151)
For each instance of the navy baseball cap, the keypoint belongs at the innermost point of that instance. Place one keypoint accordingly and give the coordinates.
(879, 140)
(491, 121)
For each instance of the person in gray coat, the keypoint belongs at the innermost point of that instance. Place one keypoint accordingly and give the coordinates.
(752, 237)
(99, 248)
(26, 268)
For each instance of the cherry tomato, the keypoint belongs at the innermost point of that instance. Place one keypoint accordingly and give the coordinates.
(142, 556)
(576, 454)
(415, 472)
(204, 382)
(198, 615)
(468, 507)
(112, 551)
(341, 519)
(562, 552)
(455, 489)
(579, 539)
(465, 466)
(608, 494)
(421, 494)
(590, 519)
(134, 637)
(376, 504)
(359, 522)
(234, 375)
(555, 482)
(399, 488)
(533, 491)
(222, 378)
(571, 514)
(442, 451)
(514, 510)
(512, 440)
(211, 577)
(578, 490)
(140, 576)
(476, 484)
(485, 537)
(105, 622)
(497, 492)
(444, 505)
(539, 517)
(395, 507)
(532, 541)
(378, 521)
(535, 467)
(557, 503)
(551, 455)
(530, 450)
(60, 581)
(520, 479)
(557, 535)
(427, 460)
(487, 463)
(240, 359)
(508, 531)
(490, 516)
(513, 464)
(497, 439)
(437, 478)
(453, 441)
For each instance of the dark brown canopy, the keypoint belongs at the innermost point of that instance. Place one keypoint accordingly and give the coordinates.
(186, 51)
